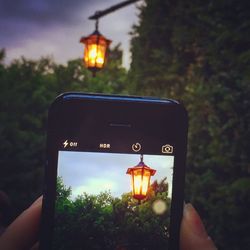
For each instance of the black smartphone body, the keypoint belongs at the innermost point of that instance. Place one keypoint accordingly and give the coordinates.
(115, 171)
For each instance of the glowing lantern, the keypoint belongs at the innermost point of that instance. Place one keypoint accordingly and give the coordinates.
(96, 46)
(140, 175)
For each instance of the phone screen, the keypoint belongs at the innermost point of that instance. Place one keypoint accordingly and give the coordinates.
(112, 200)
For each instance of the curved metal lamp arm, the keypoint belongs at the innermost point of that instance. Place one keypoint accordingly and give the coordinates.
(113, 8)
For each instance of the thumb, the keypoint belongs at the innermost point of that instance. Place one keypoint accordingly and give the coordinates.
(193, 235)
(23, 232)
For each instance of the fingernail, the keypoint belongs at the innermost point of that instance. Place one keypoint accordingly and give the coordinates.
(37, 201)
(194, 221)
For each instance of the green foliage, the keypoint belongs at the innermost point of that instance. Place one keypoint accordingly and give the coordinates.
(198, 51)
(104, 222)
(24, 97)
(27, 89)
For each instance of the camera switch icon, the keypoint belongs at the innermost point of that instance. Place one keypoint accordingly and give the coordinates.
(167, 149)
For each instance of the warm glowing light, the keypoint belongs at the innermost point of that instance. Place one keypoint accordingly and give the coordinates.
(159, 206)
(140, 176)
(94, 56)
(95, 51)
(145, 183)
(137, 182)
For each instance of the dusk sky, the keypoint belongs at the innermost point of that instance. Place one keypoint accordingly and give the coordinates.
(97, 172)
(35, 28)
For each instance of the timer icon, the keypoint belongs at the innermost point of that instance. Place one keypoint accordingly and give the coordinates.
(136, 147)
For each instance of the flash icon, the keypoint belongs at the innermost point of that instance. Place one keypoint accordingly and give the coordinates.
(65, 144)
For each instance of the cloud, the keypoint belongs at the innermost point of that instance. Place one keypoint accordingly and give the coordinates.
(96, 172)
(95, 187)
(43, 12)
(30, 18)
(36, 28)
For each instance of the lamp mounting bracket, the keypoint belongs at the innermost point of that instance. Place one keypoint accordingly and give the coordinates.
(100, 13)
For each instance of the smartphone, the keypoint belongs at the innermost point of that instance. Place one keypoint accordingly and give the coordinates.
(114, 177)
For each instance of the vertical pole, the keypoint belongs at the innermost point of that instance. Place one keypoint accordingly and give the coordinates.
(96, 29)
(96, 24)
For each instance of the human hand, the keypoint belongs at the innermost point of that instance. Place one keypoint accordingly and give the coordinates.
(23, 232)
(193, 235)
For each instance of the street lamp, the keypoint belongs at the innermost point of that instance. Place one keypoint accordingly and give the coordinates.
(96, 46)
(140, 176)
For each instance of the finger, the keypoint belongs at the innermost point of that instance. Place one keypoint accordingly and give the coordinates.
(193, 234)
(23, 232)
(35, 247)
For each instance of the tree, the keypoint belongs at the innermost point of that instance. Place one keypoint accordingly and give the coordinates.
(197, 51)
(104, 222)
(24, 98)
(28, 87)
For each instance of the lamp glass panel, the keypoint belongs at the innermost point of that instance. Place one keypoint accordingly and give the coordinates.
(100, 55)
(137, 181)
(145, 182)
(94, 55)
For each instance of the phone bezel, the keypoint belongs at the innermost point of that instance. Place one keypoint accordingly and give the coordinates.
(64, 116)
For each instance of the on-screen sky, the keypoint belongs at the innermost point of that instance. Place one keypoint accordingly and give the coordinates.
(97, 172)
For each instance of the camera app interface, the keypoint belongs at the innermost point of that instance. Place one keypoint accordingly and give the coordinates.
(113, 200)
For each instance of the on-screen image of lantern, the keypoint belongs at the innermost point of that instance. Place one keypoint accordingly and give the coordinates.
(95, 52)
(140, 176)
